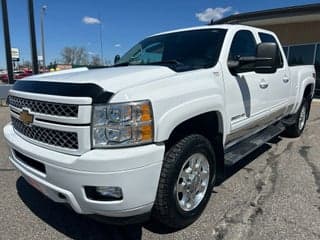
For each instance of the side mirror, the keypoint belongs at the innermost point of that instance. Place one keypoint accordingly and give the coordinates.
(116, 59)
(242, 64)
(266, 58)
(233, 65)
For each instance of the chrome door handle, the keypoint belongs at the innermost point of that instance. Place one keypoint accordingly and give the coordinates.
(285, 79)
(263, 85)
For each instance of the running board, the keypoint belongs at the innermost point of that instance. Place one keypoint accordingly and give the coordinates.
(248, 145)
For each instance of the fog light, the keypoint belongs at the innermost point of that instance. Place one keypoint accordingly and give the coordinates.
(104, 193)
(114, 192)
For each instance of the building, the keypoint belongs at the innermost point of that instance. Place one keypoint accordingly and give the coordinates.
(298, 28)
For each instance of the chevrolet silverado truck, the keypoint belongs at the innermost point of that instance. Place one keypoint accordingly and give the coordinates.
(149, 136)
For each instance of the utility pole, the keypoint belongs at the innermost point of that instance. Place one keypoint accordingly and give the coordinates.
(43, 12)
(101, 42)
(34, 55)
(6, 34)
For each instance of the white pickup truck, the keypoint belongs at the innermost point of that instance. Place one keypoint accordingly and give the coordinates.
(149, 136)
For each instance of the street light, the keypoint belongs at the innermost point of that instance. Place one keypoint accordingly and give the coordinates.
(43, 12)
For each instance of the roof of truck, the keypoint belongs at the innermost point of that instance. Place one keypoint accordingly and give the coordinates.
(215, 26)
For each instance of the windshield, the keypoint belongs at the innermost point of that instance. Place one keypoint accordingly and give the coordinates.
(180, 51)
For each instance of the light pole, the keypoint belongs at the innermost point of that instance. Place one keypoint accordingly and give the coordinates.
(6, 34)
(101, 41)
(101, 44)
(43, 12)
(34, 56)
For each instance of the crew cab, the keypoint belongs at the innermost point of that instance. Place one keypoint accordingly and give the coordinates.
(150, 135)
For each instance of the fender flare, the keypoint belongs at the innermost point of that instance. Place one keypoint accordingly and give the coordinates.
(304, 84)
(185, 111)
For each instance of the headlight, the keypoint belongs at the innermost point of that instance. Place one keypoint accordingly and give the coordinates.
(122, 124)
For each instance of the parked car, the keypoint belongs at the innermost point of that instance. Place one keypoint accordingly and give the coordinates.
(23, 74)
(151, 135)
(17, 75)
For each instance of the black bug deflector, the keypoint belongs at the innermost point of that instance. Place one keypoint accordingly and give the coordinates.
(97, 93)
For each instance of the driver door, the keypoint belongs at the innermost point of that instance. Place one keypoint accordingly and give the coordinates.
(246, 91)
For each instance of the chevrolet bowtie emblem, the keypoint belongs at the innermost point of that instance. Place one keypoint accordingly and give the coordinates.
(26, 117)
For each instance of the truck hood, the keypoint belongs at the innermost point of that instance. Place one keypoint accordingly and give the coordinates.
(111, 79)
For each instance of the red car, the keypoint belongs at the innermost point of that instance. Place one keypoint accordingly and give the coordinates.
(16, 75)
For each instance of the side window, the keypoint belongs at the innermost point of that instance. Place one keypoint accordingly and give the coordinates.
(264, 37)
(301, 54)
(243, 44)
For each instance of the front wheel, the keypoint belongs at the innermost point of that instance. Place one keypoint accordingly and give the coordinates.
(301, 117)
(186, 181)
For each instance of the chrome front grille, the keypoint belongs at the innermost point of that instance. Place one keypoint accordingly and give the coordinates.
(57, 123)
(52, 137)
(48, 108)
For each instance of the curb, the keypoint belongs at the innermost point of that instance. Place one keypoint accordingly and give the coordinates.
(3, 103)
(317, 101)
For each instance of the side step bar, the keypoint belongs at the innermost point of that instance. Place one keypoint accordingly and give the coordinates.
(248, 145)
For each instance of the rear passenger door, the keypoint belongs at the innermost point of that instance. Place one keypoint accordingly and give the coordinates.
(279, 84)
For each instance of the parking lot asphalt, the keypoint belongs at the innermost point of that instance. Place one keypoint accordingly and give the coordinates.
(273, 193)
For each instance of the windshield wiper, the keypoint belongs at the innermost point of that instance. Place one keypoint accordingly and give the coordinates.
(121, 64)
(167, 62)
(172, 63)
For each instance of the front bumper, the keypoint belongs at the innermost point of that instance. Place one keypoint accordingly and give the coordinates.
(136, 170)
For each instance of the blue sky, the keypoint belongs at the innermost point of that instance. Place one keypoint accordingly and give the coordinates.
(124, 22)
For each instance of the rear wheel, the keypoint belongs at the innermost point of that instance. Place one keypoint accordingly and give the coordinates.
(296, 129)
(186, 181)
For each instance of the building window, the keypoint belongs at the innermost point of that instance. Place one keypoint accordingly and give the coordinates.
(317, 61)
(317, 67)
(301, 55)
(286, 49)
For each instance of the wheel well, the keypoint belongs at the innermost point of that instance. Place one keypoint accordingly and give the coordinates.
(308, 95)
(308, 92)
(210, 125)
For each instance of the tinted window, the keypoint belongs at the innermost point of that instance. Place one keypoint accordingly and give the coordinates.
(317, 66)
(152, 53)
(180, 51)
(301, 55)
(243, 45)
(267, 38)
(264, 37)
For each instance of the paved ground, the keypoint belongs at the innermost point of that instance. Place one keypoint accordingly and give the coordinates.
(272, 194)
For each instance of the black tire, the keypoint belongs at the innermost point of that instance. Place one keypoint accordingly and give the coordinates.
(167, 210)
(295, 130)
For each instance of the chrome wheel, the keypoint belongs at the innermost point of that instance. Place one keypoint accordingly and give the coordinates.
(302, 117)
(193, 181)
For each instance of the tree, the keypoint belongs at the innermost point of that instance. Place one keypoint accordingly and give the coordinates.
(26, 64)
(74, 55)
(96, 60)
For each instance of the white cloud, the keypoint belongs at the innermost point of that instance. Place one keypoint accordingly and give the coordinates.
(90, 20)
(212, 14)
(117, 45)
